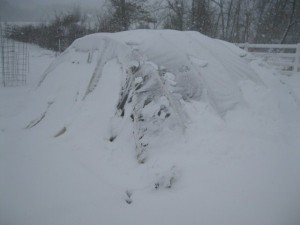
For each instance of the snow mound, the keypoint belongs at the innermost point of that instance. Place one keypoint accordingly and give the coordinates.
(159, 72)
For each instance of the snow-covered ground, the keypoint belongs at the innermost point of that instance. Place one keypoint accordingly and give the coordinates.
(150, 127)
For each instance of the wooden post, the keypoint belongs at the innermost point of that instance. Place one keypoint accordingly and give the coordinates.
(246, 46)
(59, 47)
(297, 58)
(2, 53)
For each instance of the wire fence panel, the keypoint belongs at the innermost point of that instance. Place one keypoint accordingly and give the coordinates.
(14, 57)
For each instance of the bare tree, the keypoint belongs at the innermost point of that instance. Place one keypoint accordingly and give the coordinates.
(177, 14)
(293, 20)
(261, 21)
(159, 11)
(201, 19)
(119, 15)
(278, 18)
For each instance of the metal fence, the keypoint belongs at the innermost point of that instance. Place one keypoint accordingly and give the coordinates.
(14, 59)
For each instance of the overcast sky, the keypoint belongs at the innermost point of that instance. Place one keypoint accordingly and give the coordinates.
(32, 3)
(41, 10)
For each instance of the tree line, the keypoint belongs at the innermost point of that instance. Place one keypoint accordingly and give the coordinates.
(56, 35)
(253, 21)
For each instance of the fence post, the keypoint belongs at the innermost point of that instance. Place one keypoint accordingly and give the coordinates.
(297, 58)
(2, 53)
(246, 46)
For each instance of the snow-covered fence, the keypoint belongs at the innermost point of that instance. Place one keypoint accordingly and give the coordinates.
(285, 57)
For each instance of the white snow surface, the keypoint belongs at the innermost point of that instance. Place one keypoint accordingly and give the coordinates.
(150, 127)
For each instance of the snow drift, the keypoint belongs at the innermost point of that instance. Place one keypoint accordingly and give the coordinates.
(159, 71)
(153, 127)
